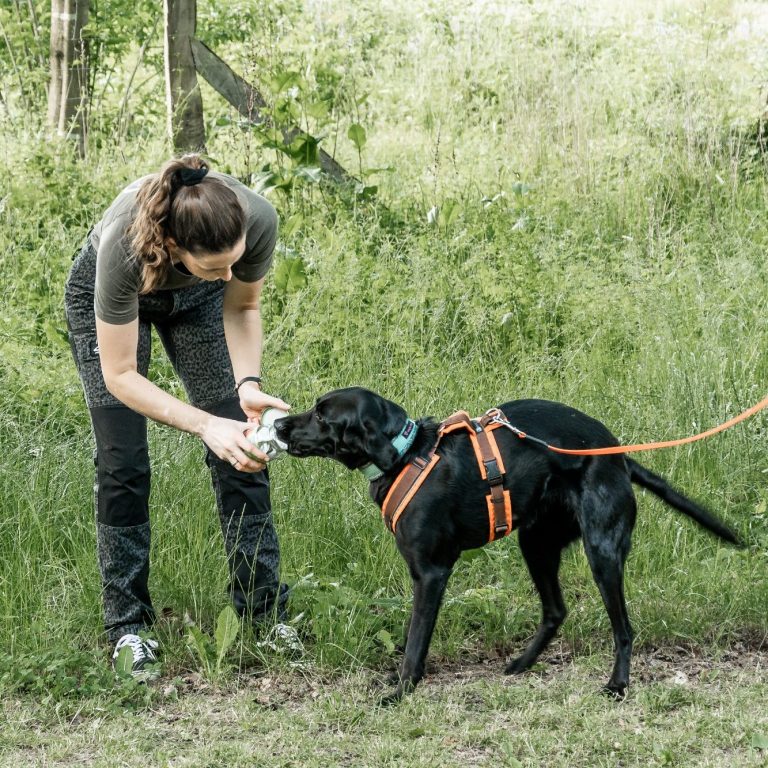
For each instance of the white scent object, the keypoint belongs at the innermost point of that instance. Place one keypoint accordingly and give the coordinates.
(264, 436)
(270, 415)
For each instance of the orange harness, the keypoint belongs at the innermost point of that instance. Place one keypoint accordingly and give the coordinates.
(489, 461)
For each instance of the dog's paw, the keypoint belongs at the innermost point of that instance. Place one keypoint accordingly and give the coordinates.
(517, 666)
(614, 692)
(392, 698)
(403, 687)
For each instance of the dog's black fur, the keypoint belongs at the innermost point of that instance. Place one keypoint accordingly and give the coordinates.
(555, 500)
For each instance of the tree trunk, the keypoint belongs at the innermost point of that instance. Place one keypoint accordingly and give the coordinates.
(184, 101)
(68, 69)
(58, 52)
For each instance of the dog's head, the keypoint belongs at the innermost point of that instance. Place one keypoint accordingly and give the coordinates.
(354, 426)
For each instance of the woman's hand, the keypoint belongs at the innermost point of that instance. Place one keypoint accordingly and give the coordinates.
(253, 401)
(226, 438)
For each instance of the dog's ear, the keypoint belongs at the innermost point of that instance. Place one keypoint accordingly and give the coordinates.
(381, 424)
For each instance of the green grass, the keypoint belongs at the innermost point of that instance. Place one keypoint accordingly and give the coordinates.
(600, 241)
(463, 715)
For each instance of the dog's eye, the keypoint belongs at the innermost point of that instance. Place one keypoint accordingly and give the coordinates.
(318, 417)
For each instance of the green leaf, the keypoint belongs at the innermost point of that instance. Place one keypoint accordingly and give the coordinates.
(227, 627)
(290, 275)
(386, 640)
(366, 172)
(317, 109)
(202, 646)
(449, 212)
(309, 173)
(282, 80)
(292, 224)
(366, 191)
(305, 148)
(759, 741)
(357, 135)
(124, 663)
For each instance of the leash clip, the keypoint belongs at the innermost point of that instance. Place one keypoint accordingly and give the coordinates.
(497, 417)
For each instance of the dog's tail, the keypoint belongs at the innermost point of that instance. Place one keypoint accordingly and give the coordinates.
(659, 486)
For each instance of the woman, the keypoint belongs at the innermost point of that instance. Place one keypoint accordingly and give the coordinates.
(185, 250)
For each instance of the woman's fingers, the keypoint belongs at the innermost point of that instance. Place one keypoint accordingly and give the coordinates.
(226, 438)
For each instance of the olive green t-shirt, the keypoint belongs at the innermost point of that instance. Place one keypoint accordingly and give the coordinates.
(118, 272)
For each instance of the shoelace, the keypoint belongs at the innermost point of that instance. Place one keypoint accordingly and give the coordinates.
(141, 649)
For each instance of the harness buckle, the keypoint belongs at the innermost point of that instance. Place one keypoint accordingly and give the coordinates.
(500, 529)
(492, 473)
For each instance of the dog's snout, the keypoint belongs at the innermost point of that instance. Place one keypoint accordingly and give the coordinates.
(281, 428)
(292, 431)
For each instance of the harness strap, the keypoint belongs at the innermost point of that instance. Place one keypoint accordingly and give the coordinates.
(490, 464)
(404, 488)
(499, 500)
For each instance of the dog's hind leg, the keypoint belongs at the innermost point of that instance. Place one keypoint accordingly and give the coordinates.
(429, 583)
(607, 518)
(542, 556)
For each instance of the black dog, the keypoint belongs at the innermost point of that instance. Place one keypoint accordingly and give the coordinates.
(555, 500)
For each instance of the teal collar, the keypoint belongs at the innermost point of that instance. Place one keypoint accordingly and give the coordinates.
(401, 444)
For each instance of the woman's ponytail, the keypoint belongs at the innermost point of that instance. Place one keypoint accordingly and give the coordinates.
(200, 213)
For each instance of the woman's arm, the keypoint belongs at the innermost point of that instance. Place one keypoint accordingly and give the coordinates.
(117, 351)
(242, 327)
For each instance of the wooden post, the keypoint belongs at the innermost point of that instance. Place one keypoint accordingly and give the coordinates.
(249, 102)
(183, 99)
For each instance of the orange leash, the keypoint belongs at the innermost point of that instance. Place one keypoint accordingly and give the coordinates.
(649, 446)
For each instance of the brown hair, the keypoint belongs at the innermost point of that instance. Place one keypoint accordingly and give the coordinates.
(202, 214)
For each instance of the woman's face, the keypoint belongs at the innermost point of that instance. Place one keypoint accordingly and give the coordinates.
(208, 266)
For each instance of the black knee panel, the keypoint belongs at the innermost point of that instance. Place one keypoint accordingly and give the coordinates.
(122, 466)
(237, 492)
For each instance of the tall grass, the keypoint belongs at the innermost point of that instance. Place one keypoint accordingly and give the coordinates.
(607, 250)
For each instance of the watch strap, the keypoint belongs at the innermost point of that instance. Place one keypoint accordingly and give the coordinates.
(242, 381)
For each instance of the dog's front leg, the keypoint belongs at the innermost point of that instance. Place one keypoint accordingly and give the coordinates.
(428, 589)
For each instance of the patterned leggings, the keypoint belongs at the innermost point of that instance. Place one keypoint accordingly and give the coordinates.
(190, 325)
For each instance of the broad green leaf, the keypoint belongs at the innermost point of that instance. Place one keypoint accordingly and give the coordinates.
(202, 646)
(285, 79)
(449, 212)
(366, 191)
(227, 627)
(124, 663)
(290, 275)
(305, 149)
(357, 135)
(386, 640)
(292, 225)
(759, 740)
(317, 109)
(309, 173)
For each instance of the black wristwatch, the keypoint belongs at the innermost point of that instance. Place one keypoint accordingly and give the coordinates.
(242, 381)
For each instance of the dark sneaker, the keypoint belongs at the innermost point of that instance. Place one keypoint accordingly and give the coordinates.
(134, 657)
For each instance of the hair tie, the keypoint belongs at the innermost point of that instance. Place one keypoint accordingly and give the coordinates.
(191, 176)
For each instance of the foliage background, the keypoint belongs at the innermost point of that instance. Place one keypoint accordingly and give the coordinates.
(561, 200)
